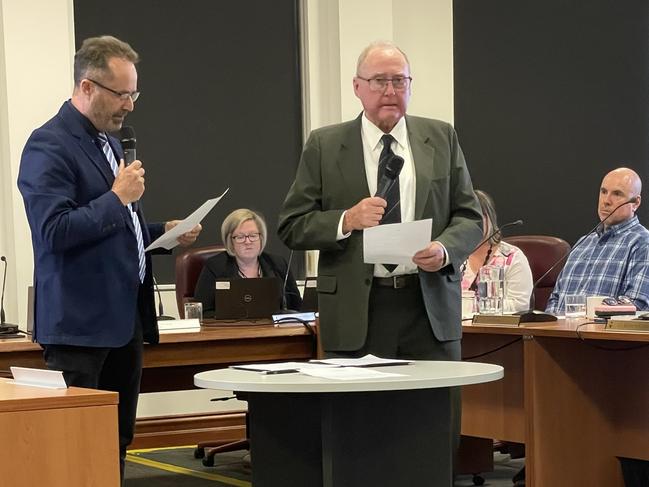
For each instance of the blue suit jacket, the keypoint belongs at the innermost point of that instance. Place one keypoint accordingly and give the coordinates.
(85, 252)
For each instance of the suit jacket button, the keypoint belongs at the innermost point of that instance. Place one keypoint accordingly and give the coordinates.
(368, 282)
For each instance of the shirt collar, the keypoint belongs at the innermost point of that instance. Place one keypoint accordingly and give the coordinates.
(373, 134)
(83, 120)
(619, 227)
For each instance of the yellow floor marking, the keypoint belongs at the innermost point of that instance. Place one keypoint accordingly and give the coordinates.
(187, 471)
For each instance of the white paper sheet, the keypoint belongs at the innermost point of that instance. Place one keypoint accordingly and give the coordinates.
(395, 243)
(347, 373)
(368, 360)
(169, 239)
(281, 367)
(191, 325)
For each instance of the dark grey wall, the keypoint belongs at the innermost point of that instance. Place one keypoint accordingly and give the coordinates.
(220, 104)
(549, 96)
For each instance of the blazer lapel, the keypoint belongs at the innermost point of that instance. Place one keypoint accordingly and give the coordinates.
(423, 154)
(351, 163)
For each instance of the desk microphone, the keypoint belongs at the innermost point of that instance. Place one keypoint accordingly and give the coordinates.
(288, 269)
(542, 316)
(129, 142)
(497, 231)
(5, 328)
(392, 169)
(161, 312)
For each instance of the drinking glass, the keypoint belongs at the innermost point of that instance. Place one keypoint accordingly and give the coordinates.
(575, 306)
(491, 289)
(194, 310)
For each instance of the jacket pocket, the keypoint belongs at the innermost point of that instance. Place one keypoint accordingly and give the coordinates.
(326, 284)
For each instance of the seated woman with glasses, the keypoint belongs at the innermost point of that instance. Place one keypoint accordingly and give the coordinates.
(518, 275)
(244, 236)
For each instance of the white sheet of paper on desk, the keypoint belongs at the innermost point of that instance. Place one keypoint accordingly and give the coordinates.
(169, 240)
(190, 325)
(368, 360)
(50, 379)
(346, 373)
(395, 243)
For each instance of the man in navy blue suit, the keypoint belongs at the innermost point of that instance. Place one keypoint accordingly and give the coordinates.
(94, 303)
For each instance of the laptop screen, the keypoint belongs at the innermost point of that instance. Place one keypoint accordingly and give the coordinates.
(239, 299)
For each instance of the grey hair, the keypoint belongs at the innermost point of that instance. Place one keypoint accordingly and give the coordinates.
(95, 52)
(378, 45)
(236, 218)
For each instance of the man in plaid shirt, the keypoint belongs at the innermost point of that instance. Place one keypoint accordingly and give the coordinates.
(614, 260)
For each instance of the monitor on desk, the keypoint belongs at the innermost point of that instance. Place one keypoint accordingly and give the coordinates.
(236, 299)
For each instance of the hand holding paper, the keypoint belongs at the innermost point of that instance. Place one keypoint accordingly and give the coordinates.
(170, 239)
(396, 243)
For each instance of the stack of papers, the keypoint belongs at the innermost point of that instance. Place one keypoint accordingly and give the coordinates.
(179, 326)
(337, 369)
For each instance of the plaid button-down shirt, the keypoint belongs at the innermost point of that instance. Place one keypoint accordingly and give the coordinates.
(611, 263)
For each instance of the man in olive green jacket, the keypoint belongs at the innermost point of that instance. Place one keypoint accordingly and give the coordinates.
(412, 311)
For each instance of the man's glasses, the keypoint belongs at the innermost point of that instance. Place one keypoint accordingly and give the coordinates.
(252, 237)
(399, 83)
(122, 95)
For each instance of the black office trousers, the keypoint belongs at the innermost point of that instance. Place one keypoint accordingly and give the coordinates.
(398, 327)
(110, 369)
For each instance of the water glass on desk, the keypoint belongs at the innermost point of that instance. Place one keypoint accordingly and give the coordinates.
(491, 289)
(575, 306)
(194, 310)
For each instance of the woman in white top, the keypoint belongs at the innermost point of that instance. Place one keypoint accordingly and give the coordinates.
(518, 275)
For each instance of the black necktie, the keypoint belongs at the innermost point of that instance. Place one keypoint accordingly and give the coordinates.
(393, 197)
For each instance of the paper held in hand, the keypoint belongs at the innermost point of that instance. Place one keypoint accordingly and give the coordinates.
(169, 239)
(396, 243)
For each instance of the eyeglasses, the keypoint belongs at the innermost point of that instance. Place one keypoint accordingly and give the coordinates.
(399, 83)
(620, 300)
(122, 95)
(252, 237)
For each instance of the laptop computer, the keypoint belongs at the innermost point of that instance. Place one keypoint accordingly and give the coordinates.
(310, 295)
(236, 299)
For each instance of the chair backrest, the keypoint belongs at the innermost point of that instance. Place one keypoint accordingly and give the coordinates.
(188, 267)
(542, 251)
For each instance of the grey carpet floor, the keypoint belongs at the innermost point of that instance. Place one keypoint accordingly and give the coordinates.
(177, 467)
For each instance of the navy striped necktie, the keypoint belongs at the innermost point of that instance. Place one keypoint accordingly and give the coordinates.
(110, 157)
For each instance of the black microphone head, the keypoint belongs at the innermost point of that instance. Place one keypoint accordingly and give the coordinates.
(393, 167)
(127, 137)
(3, 258)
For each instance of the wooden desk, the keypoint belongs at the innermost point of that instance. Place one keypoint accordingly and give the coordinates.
(58, 437)
(574, 404)
(172, 364)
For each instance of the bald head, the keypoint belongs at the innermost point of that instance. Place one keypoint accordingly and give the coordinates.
(619, 186)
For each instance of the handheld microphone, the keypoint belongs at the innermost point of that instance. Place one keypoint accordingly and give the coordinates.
(5, 328)
(161, 312)
(497, 231)
(129, 142)
(392, 169)
(566, 255)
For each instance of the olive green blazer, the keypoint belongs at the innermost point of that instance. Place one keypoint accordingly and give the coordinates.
(331, 178)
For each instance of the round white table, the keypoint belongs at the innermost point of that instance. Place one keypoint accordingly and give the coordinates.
(390, 431)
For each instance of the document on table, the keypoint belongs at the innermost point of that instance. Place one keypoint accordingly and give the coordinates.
(347, 373)
(368, 360)
(396, 243)
(281, 367)
(169, 239)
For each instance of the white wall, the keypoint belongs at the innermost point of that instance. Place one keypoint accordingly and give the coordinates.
(36, 56)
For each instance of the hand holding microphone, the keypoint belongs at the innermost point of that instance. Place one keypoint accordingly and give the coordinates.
(129, 183)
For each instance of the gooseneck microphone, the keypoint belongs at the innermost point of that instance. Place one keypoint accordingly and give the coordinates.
(497, 231)
(129, 142)
(392, 169)
(567, 254)
(288, 269)
(5, 328)
(161, 312)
